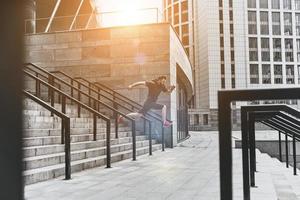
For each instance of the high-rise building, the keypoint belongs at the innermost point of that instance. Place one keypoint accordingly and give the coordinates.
(244, 44)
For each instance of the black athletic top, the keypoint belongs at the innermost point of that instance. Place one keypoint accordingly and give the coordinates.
(154, 89)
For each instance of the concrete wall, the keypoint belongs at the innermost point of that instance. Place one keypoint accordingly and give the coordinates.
(116, 57)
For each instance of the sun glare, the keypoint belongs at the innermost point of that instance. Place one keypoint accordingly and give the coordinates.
(126, 12)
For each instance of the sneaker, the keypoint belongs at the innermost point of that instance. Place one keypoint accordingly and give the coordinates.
(120, 119)
(167, 124)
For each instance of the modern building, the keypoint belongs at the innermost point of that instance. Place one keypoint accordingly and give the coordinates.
(243, 44)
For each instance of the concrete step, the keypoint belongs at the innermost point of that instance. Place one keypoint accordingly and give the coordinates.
(40, 132)
(54, 159)
(50, 140)
(54, 171)
(57, 148)
(280, 175)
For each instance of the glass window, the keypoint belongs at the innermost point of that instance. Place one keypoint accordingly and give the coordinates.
(298, 74)
(253, 54)
(290, 75)
(298, 49)
(265, 49)
(297, 4)
(275, 4)
(287, 4)
(297, 24)
(252, 23)
(277, 50)
(264, 23)
(288, 30)
(251, 3)
(254, 76)
(278, 75)
(276, 23)
(266, 74)
(263, 3)
(289, 50)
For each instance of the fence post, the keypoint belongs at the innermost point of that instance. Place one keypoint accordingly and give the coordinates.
(280, 150)
(108, 155)
(286, 150)
(133, 141)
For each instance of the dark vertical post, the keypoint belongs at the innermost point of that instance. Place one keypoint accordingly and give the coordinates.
(116, 125)
(286, 151)
(162, 137)
(90, 99)
(116, 117)
(294, 155)
(63, 110)
(72, 88)
(108, 155)
(280, 150)
(150, 138)
(95, 127)
(251, 129)
(11, 48)
(245, 145)
(79, 99)
(51, 92)
(225, 152)
(67, 149)
(133, 141)
(172, 145)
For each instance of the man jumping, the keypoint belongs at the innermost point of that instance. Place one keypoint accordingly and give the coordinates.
(155, 87)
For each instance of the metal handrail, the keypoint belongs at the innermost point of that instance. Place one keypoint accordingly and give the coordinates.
(114, 93)
(99, 102)
(277, 115)
(65, 132)
(63, 107)
(72, 80)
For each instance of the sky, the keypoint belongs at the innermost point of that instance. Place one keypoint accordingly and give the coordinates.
(128, 12)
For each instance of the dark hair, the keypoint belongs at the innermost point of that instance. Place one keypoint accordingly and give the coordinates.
(162, 77)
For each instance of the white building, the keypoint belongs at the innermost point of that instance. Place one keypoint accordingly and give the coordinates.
(244, 44)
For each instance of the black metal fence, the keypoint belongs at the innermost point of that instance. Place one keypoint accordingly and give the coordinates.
(225, 98)
(182, 123)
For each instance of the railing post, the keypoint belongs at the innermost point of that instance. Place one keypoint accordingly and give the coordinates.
(145, 126)
(133, 141)
(72, 92)
(251, 133)
(89, 92)
(245, 157)
(294, 155)
(280, 150)
(51, 92)
(79, 99)
(116, 125)
(108, 155)
(162, 137)
(150, 138)
(286, 151)
(172, 145)
(63, 110)
(67, 149)
(95, 127)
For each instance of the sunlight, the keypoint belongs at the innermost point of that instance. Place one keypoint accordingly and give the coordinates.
(127, 12)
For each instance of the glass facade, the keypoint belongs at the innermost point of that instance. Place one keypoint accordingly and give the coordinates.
(266, 74)
(288, 27)
(265, 49)
(290, 75)
(252, 22)
(264, 23)
(289, 56)
(278, 75)
(253, 51)
(277, 57)
(254, 74)
(276, 30)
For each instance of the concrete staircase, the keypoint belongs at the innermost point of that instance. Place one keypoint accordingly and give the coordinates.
(285, 184)
(44, 153)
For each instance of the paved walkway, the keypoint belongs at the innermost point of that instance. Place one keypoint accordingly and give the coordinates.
(190, 171)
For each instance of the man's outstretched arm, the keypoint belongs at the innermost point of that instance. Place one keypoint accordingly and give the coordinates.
(137, 84)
